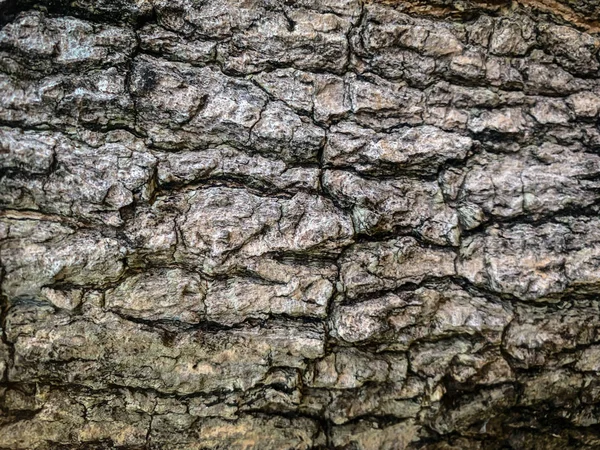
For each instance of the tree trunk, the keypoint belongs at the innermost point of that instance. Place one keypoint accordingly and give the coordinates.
(307, 224)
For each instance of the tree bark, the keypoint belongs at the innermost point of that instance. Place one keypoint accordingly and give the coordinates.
(299, 224)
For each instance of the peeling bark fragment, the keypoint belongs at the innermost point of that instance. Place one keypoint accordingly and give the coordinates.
(278, 289)
(536, 182)
(224, 226)
(398, 320)
(228, 164)
(534, 262)
(96, 99)
(89, 181)
(377, 266)
(420, 149)
(167, 295)
(38, 253)
(86, 352)
(50, 45)
(540, 334)
(393, 204)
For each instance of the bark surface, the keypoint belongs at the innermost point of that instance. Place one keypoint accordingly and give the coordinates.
(303, 224)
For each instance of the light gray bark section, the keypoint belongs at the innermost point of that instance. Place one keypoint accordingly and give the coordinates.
(299, 225)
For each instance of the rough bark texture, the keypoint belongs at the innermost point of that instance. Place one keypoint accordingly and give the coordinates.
(300, 224)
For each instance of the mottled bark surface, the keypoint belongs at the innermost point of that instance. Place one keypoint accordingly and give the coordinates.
(299, 224)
